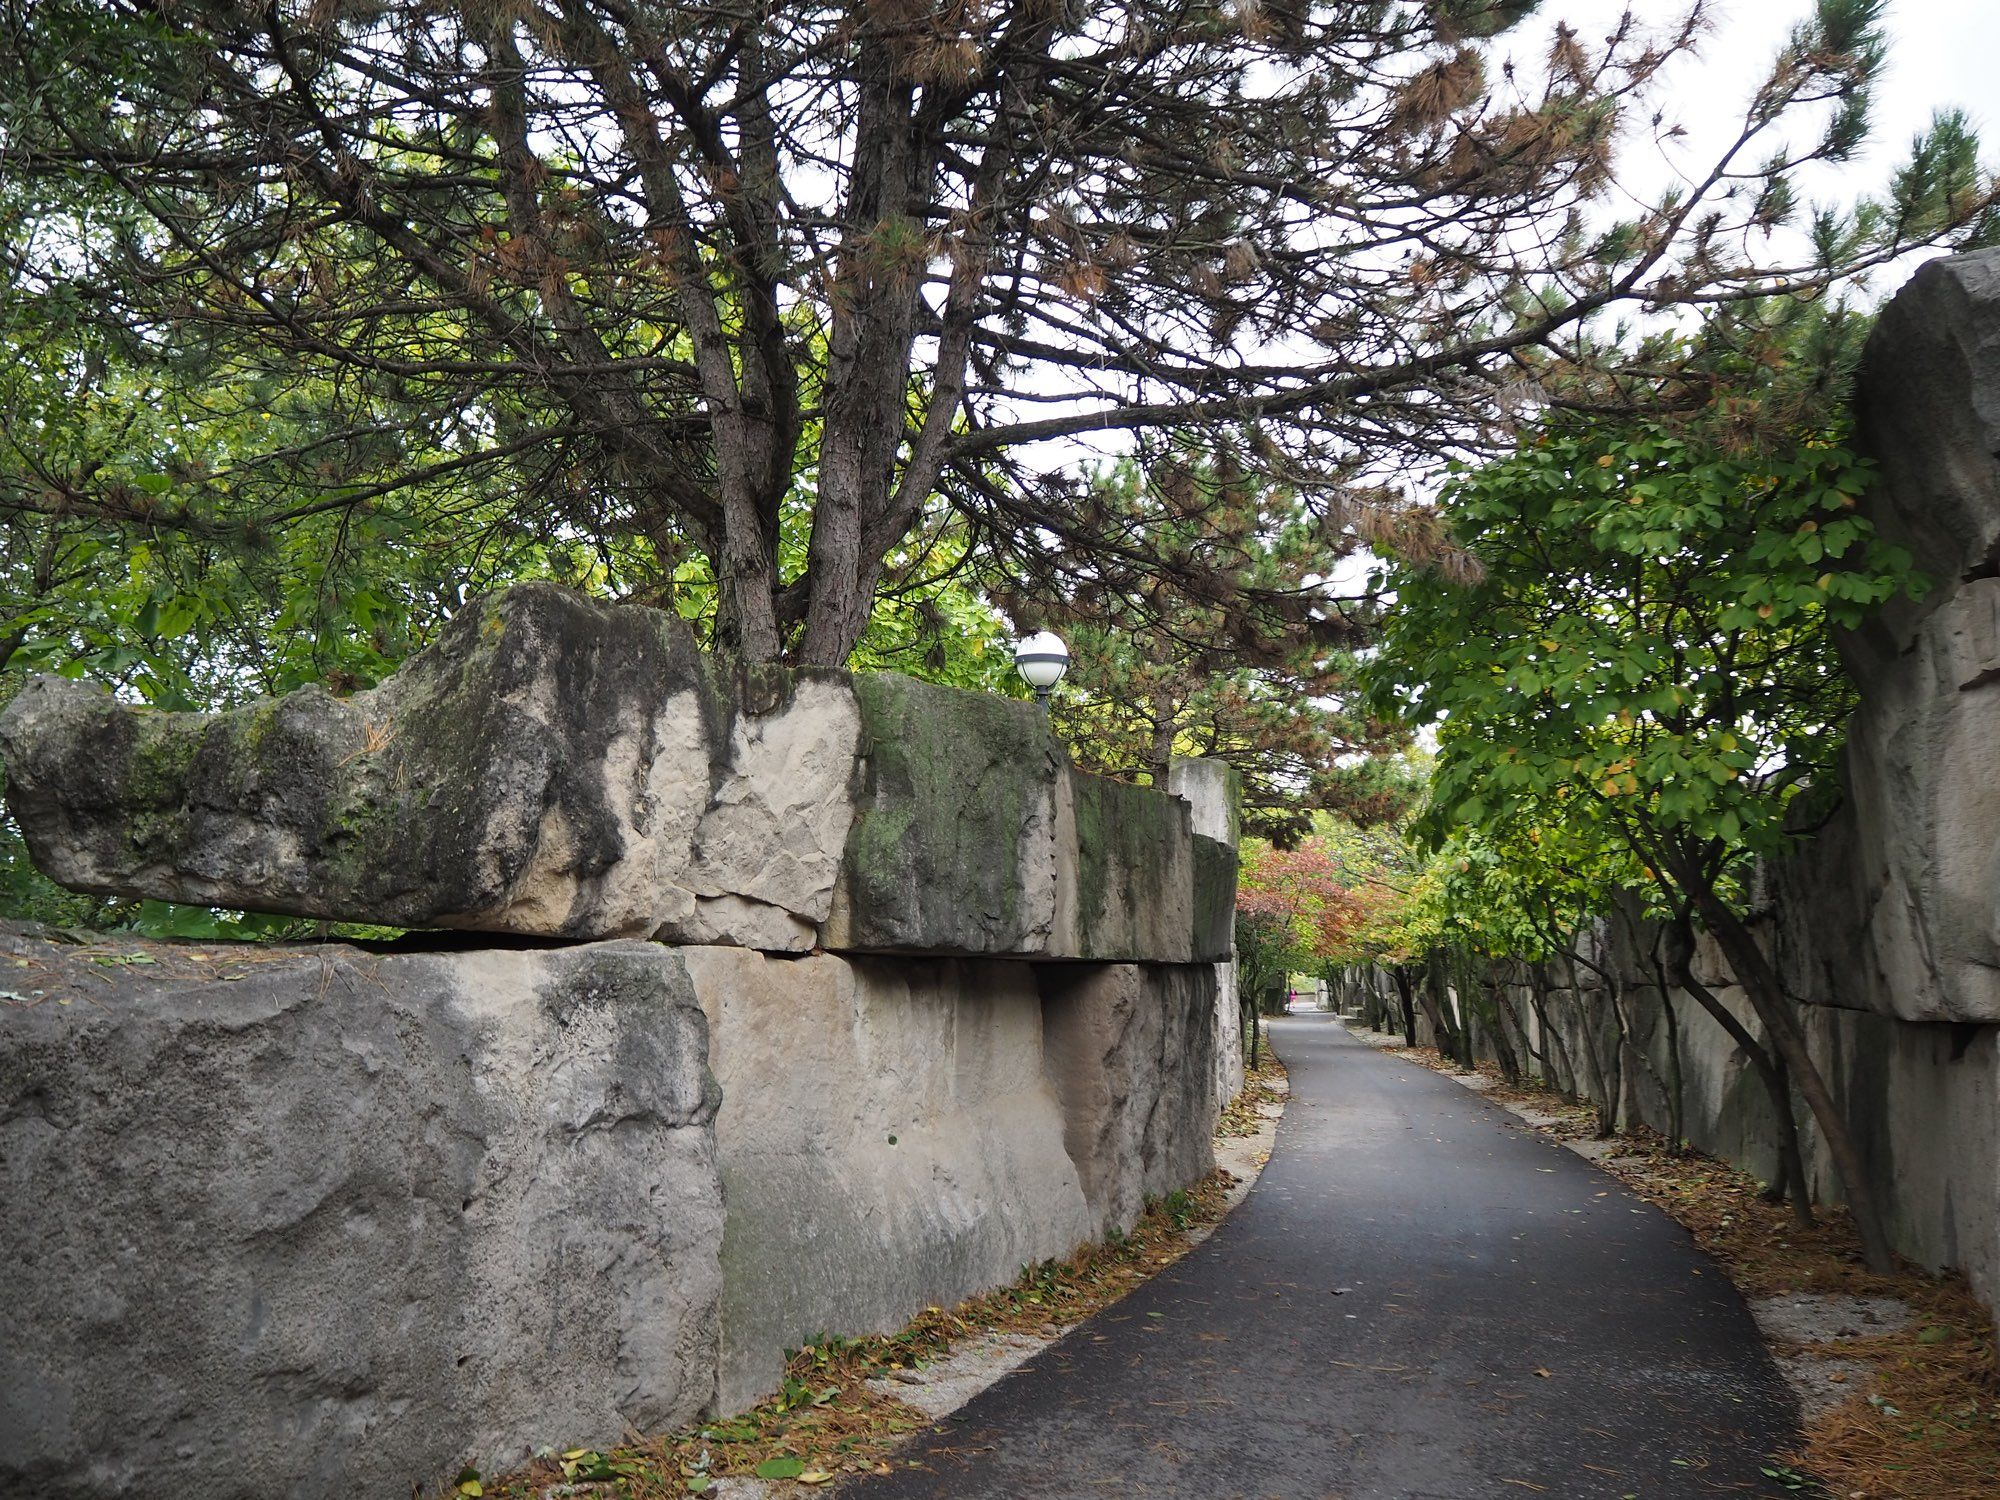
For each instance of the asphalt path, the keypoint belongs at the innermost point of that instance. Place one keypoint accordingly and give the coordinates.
(1420, 1299)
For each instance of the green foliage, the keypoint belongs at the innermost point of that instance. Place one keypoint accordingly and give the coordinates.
(580, 289)
(1645, 659)
(1255, 666)
(1517, 890)
(27, 895)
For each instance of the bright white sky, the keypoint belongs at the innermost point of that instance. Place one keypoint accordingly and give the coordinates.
(1943, 54)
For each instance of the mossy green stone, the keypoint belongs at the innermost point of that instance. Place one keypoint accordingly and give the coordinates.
(1127, 840)
(1214, 900)
(951, 785)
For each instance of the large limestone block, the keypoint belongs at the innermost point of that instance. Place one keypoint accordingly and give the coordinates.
(1895, 907)
(321, 1223)
(548, 766)
(1923, 1097)
(560, 768)
(1213, 791)
(1125, 887)
(1227, 1028)
(1131, 1050)
(953, 848)
(1214, 900)
(974, 835)
(1928, 413)
(1930, 1095)
(889, 1141)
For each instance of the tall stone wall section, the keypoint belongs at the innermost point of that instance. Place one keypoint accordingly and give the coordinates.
(742, 1006)
(1214, 794)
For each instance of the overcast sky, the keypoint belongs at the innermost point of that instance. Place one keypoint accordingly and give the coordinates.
(1943, 53)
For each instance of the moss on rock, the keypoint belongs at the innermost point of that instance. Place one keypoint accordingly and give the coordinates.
(954, 790)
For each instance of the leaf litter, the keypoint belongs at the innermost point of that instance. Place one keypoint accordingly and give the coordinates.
(836, 1414)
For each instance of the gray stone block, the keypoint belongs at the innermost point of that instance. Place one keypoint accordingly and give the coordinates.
(548, 766)
(1131, 1051)
(889, 1141)
(1928, 413)
(1213, 791)
(1895, 906)
(953, 844)
(323, 1223)
(560, 768)
(1126, 874)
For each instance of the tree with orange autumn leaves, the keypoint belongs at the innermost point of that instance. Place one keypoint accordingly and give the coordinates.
(1338, 896)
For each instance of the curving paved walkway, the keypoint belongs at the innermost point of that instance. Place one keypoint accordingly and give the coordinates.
(1420, 1299)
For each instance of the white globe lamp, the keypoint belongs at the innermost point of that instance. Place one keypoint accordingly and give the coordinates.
(1041, 659)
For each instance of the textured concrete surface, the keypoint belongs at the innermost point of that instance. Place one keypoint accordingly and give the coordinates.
(1420, 1300)
(327, 1223)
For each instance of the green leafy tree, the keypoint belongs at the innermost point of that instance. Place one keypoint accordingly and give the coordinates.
(1294, 908)
(1648, 653)
(1399, 919)
(1534, 894)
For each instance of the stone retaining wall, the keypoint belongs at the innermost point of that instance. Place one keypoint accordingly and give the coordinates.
(916, 1131)
(922, 1005)
(559, 768)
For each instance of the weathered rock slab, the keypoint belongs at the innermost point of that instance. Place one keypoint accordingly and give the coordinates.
(1213, 792)
(560, 768)
(1131, 1051)
(324, 1223)
(953, 848)
(890, 1141)
(549, 766)
(1895, 907)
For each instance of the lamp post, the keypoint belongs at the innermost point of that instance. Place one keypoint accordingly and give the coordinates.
(1041, 660)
